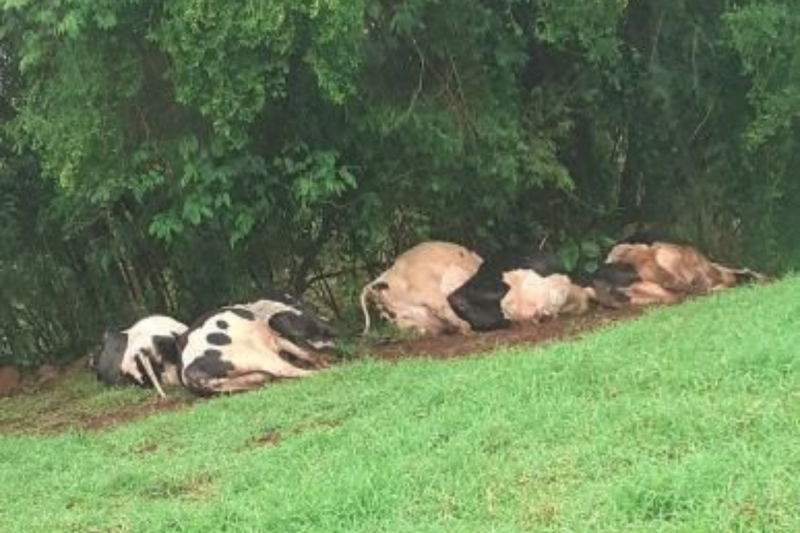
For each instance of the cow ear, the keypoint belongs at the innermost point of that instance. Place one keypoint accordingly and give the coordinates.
(115, 336)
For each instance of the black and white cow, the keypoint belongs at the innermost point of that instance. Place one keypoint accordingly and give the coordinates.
(245, 346)
(516, 286)
(146, 354)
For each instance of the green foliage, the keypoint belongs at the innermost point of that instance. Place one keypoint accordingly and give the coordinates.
(765, 38)
(585, 255)
(190, 152)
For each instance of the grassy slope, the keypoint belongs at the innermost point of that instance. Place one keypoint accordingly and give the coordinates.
(687, 420)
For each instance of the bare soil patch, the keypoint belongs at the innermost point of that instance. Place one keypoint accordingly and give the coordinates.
(270, 438)
(68, 413)
(452, 346)
(10, 380)
(134, 412)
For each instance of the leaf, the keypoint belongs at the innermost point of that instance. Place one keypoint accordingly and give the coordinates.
(590, 249)
(570, 254)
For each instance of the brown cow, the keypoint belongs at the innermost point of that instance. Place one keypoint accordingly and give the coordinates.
(663, 272)
(413, 292)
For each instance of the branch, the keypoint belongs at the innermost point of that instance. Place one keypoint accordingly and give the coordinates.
(420, 84)
(657, 36)
(328, 275)
(702, 122)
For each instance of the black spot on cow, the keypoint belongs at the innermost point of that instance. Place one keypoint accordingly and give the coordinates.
(380, 286)
(183, 339)
(218, 339)
(167, 348)
(242, 313)
(107, 364)
(201, 371)
(610, 280)
(221, 324)
(619, 275)
(478, 300)
(212, 352)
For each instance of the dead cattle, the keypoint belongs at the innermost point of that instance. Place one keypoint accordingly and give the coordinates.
(413, 292)
(516, 286)
(662, 272)
(231, 350)
(146, 354)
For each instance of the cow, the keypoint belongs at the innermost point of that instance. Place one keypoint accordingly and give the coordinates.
(235, 349)
(642, 273)
(517, 286)
(413, 291)
(146, 354)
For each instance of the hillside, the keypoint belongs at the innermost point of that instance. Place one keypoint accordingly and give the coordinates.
(687, 419)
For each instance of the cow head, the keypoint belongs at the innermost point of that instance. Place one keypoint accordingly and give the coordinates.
(145, 354)
(106, 362)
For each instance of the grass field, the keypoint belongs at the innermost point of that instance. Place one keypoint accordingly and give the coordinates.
(687, 420)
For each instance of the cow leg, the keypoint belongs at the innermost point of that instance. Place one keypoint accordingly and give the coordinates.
(609, 296)
(652, 272)
(148, 368)
(204, 384)
(646, 293)
(240, 383)
(312, 360)
(301, 329)
(209, 374)
(448, 321)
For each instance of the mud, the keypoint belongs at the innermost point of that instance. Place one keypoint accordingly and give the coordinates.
(452, 346)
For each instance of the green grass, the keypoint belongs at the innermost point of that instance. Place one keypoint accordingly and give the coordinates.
(687, 420)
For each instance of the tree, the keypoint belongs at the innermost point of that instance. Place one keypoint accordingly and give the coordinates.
(172, 157)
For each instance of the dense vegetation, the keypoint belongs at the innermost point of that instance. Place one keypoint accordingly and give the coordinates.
(172, 156)
(683, 421)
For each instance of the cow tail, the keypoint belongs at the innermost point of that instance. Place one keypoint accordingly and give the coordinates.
(364, 308)
(745, 275)
(741, 275)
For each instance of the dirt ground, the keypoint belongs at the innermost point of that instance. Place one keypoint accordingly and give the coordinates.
(64, 411)
(453, 346)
